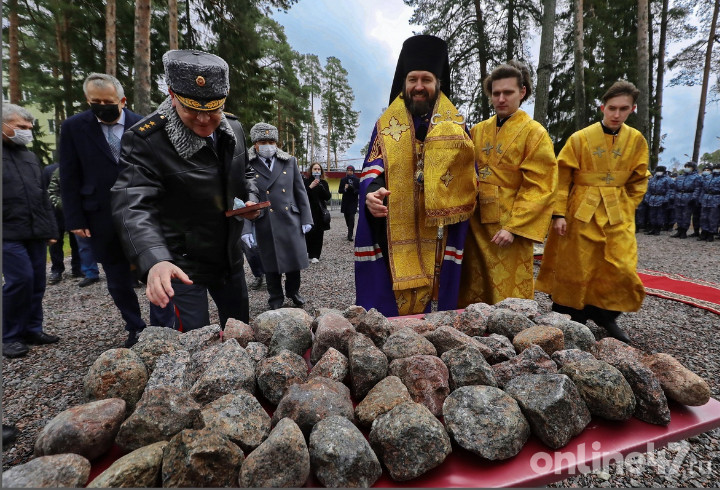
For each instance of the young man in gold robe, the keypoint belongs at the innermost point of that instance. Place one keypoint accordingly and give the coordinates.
(517, 175)
(589, 264)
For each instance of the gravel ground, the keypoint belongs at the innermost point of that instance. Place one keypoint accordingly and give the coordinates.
(50, 378)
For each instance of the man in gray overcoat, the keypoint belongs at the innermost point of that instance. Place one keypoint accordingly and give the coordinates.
(280, 228)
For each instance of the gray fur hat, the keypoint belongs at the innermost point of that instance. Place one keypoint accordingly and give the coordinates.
(199, 80)
(263, 131)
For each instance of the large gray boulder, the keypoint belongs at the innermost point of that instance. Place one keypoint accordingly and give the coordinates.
(240, 418)
(138, 469)
(552, 405)
(340, 456)
(426, 378)
(382, 398)
(200, 458)
(116, 373)
(161, 413)
(532, 360)
(368, 365)
(55, 471)
(310, 402)
(467, 366)
(231, 370)
(405, 342)
(282, 460)
(275, 374)
(486, 421)
(88, 430)
(409, 440)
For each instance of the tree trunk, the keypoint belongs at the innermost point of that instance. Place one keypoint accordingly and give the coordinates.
(172, 24)
(328, 139)
(655, 152)
(580, 118)
(110, 38)
(142, 57)
(706, 79)
(312, 121)
(62, 28)
(643, 59)
(547, 40)
(14, 72)
(189, 43)
(483, 57)
(510, 30)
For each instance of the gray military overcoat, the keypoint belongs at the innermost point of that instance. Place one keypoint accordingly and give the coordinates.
(278, 229)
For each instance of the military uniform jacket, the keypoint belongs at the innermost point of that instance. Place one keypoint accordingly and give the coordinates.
(658, 191)
(688, 188)
(172, 192)
(278, 230)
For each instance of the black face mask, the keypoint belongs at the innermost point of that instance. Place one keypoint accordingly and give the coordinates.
(106, 112)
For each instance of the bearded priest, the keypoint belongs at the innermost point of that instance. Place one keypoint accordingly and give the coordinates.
(417, 190)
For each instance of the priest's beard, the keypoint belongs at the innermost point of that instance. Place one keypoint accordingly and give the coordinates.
(420, 107)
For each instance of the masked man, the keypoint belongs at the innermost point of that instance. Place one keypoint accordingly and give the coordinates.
(517, 175)
(181, 168)
(590, 260)
(418, 177)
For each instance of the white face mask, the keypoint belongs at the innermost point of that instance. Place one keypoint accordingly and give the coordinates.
(267, 151)
(659, 174)
(21, 136)
(687, 170)
(706, 172)
(716, 171)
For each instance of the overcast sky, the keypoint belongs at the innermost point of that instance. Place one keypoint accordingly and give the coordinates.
(367, 36)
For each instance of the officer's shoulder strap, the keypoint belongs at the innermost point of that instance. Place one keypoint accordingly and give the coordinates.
(230, 115)
(149, 125)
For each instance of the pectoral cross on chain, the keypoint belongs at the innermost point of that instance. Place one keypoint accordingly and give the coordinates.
(599, 152)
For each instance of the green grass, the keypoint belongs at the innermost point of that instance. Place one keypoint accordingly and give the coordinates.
(66, 248)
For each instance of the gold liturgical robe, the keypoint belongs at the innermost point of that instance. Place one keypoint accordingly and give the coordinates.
(602, 179)
(517, 177)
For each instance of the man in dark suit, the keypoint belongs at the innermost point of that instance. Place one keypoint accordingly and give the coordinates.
(89, 153)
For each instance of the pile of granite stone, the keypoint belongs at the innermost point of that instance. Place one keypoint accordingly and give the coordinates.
(189, 409)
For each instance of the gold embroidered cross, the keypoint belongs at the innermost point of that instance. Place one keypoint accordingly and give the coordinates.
(599, 152)
(488, 148)
(609, 178)
(616, 153)
(426, 298)
(395, 130)
(447, 178)
(498, 149)
(401, 300)
(485, 172)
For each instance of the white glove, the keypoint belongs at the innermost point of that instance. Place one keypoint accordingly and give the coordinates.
(248, 239)
(306, 228)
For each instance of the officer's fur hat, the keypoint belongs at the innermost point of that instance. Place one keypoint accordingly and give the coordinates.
(199, 80)
(660, 168)
(263, 131)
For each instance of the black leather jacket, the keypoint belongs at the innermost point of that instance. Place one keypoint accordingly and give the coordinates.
(172, 192)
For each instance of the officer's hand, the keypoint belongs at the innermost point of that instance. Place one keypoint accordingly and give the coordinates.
(254, 214)
(503, 238)
(560, 226)
(374, 202)
(52, 241)
(159, 289)
(82, 233)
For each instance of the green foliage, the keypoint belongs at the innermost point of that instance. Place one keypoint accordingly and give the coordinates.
(610, 40)
(336, 112)
(477, 41)
(713, 157)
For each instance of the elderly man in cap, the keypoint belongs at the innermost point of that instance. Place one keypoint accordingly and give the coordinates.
(349, 188)
(280, 227)
(182, 167)
(418, 178)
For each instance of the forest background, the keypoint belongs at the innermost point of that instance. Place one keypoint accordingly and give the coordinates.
(301, 64)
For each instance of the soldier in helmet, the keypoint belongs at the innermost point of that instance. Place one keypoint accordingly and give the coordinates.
(181, 168)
